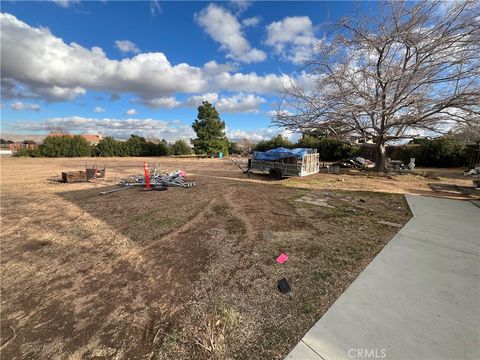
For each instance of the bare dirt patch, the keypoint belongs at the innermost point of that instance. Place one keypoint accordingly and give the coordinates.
(421, 182)
(185, 273)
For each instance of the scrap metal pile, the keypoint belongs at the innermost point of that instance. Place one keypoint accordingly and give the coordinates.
(472, 172)
(356, 162)
(159, 179)
(156, 181)
(475, 173)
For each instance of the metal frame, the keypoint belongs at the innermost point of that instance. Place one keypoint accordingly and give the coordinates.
(308, 165)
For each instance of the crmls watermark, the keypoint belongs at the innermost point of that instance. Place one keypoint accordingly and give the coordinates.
(367, 353)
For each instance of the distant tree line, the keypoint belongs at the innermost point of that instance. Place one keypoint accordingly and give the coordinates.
(448, 151)
(77, 146)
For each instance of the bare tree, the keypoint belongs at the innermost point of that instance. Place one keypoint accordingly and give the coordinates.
(468, 133)
(409, 68)
(245, 146)
(57, 129)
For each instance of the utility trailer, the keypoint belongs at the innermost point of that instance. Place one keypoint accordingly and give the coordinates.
(282, 162)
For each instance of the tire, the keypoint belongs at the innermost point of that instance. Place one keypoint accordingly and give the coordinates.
(275, 174)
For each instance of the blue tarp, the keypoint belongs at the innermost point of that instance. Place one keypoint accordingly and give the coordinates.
(280, 153)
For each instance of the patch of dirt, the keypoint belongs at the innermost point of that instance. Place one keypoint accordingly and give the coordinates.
(184, 273)
(417, 183)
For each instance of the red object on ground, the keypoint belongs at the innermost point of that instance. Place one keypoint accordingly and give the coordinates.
(282, 258)
(147, 176)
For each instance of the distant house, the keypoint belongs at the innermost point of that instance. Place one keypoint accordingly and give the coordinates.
(25, 144)
(93, 139)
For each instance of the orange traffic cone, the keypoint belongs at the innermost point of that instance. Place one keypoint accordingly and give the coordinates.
(147, 176)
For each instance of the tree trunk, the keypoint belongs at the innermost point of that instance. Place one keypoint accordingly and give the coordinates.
(380, 157)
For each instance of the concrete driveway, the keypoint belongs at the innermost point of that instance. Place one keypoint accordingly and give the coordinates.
(418, 299)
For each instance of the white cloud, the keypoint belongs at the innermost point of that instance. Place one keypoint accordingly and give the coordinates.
(131, 112)
(224, 28)
(239, 103)
(126, 46)
(212, 68)
(37, 64)
(196, 100)
(252, 135)
(252, 21)
(18, 106)
(65, 3)
(99, 109)
(162, 102)
(268, 84)
(292, 38)
(57, 71)
(118, 128)
(236, 103)
(240, 5)
(155, 7)
(257, 135)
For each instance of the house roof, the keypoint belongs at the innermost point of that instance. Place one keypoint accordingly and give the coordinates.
(88, 137)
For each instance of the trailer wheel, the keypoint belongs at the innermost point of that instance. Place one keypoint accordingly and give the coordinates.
(275, 174)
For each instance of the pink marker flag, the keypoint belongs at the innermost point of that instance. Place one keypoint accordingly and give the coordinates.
(282, 258)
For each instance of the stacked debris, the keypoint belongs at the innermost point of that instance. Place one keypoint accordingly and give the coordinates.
(159, 179)
(396, 165)
(82, 176)
(475, 173)
(472, 172)
(356, 162)
(74, 176)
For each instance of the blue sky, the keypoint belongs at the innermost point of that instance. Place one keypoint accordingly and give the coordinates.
(119, 67)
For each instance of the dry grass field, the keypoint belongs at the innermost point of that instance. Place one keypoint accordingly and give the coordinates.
(183, 273)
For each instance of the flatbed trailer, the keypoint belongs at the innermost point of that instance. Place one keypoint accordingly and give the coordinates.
(308, 164)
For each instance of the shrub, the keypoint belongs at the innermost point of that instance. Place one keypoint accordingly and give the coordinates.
(151, 149)
(309, 141)
(441, 152)
(134, 146)
(233, 148)
(329, 148)
(180, 147)
(275, 142)
(65, 146)
(137, 146)
(28, 152)
(332, 149)
(110, 147)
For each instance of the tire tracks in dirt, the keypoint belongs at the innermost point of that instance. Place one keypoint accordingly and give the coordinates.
(237, 212)
(191, 223)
